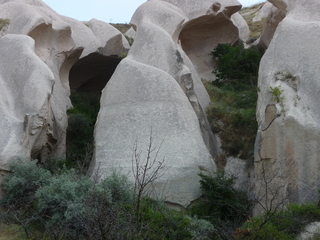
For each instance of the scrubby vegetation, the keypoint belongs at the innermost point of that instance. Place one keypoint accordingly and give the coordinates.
(121, 27)
(234, 97)
(68, 205)
(3, 22)
(41, 204)
(81, 121)
(222, 205)
(256, 28)
(286, 224)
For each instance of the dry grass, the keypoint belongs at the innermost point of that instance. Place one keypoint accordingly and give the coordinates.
(3, 22)
(11, 232)
(248, 14)
(121, 27)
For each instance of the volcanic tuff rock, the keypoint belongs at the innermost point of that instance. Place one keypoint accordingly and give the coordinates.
(288, 143)
(274, 11)
(151, 93)
(263, 12)
(37, 50)
(156, 90)
(209, 23)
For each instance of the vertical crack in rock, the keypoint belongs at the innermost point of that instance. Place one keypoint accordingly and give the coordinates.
(186, 82)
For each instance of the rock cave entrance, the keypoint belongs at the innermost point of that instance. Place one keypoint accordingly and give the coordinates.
(87, 77)
(91, 73)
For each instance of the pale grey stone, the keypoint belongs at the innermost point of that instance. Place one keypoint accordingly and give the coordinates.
(152, 90)
(290, 146)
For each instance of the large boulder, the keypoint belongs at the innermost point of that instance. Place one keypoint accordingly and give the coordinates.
(151, 94)
(288, 144)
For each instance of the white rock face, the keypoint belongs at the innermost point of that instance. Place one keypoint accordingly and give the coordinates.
(38, 48)
(288, 143)
(263, 12)
(152, 89)
(24, 119)
(274, 11)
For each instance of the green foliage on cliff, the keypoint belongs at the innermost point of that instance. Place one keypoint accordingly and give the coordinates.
(236, 64)
(234, 97)
(232, 116)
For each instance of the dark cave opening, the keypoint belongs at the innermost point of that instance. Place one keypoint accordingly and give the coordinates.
(91, 73)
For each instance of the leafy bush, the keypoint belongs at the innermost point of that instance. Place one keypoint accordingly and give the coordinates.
(236, 63)
(25, 180)
(62, 194)
(276, 94)
(221, 204)
(234, 98)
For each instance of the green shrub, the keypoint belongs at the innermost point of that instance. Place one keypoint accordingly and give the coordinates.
(234, 98)
(236, 63)
(233, 116)
(221, 204)
(221, 201)
(62, 194)
(66, 205)
(276, 94)
(120, 188)
(26, 178)
(160, 222)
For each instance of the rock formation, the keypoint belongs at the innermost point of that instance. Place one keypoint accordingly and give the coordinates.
(288, 144)
(156, 91)
(151, 93)
(273, 12)
(209, 23)
(37, 50)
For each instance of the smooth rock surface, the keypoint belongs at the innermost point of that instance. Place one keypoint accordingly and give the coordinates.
(58, 42)
(263, 12)
(288, 143)
(152, 93)
(27, 122)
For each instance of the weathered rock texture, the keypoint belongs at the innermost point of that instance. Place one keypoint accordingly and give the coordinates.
(152, 89)
(263, 12)
(209, 23)
(37, 50)
(274, 11)
(288, 142)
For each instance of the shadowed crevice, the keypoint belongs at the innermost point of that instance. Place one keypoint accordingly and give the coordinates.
(91, 73)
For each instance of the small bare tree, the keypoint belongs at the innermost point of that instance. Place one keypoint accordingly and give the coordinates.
(145, 171)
